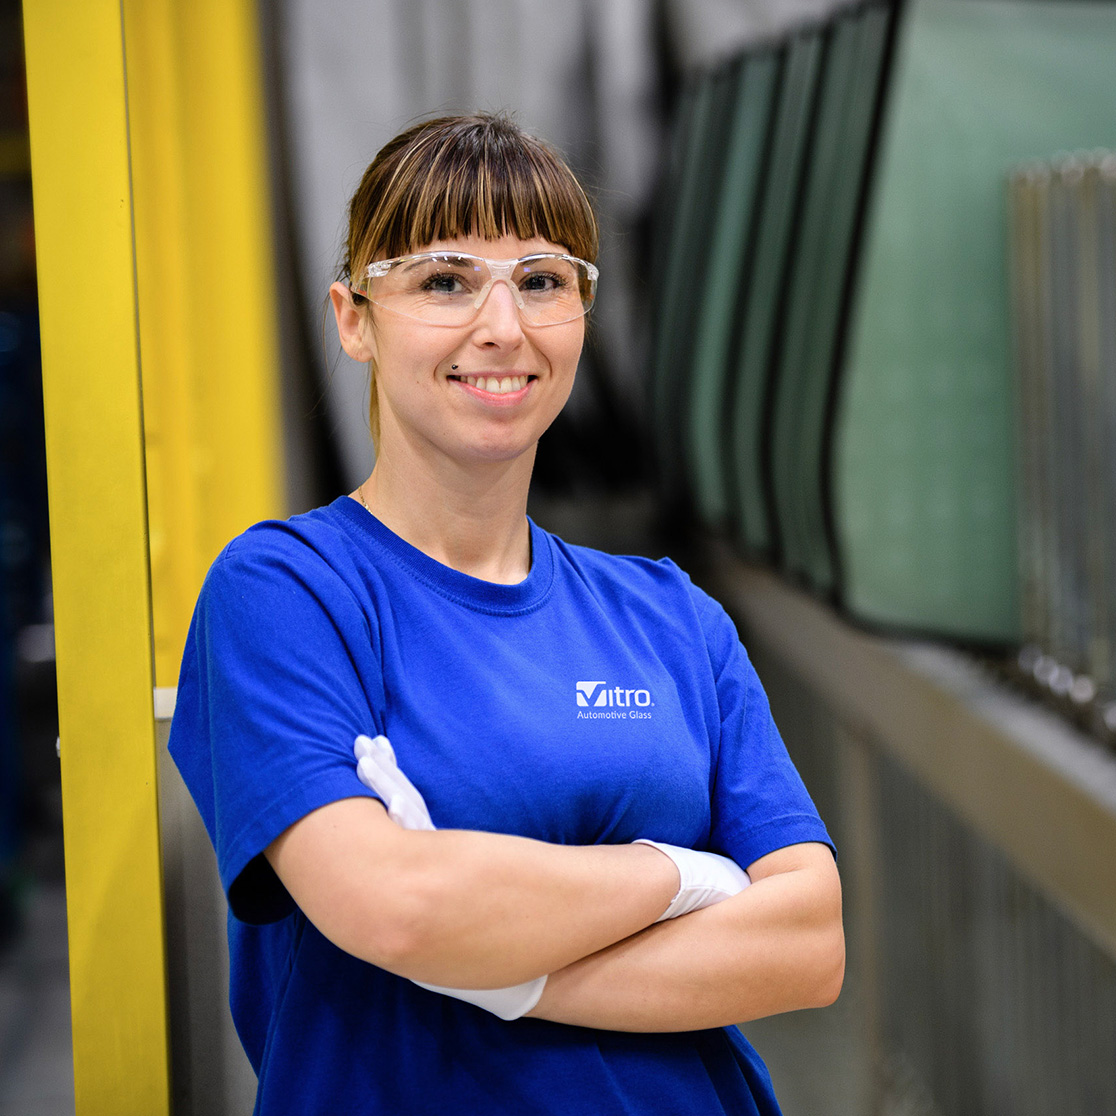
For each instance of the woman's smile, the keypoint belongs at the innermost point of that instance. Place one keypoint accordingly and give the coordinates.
(497, 388)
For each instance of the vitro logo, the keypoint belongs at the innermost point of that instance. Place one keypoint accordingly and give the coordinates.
(601, 694)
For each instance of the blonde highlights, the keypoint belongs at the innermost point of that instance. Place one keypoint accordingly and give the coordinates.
(460, 176)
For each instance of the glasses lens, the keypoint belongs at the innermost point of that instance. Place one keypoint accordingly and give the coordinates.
(431, 287)
(553, 289)
(447, 289)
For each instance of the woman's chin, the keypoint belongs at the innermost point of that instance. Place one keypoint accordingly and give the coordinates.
(497, 452)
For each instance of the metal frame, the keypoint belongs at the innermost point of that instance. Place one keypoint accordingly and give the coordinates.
(150, 179)
(81, 178)
(974, 831)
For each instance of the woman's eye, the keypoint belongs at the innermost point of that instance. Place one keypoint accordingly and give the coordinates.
(541, 283)
(444, 283)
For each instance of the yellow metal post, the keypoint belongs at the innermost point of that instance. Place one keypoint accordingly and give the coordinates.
(98, 513)
(207, 307)
(153, 224)
(167, 318)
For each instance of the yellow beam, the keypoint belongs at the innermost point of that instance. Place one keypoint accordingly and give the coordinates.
(167, 320)
(207, 310)
(98, 516)
(241, 479)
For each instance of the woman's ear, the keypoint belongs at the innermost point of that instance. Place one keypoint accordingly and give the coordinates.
(352, 324)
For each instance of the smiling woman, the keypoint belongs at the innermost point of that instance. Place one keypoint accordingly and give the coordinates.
(448, 178)
(470, 364)
(462, 878)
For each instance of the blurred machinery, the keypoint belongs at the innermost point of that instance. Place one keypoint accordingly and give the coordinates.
(830, 396)
(834, 399)
(834, 378)
(25, 650)
(1063, 266)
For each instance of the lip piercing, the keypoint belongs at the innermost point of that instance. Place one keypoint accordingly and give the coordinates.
(453, 367)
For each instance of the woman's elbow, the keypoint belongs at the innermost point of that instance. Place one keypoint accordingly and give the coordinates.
(369, 887)
(823, 945)
(829, 938)
(830, 974)
(396, 932)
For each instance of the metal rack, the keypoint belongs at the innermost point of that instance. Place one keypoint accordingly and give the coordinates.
(1063, 268)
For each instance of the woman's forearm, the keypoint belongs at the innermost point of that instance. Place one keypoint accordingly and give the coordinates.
(778, 946)
(464, 908)
(494, 910)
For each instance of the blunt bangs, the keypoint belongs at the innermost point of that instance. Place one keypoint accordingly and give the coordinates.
(468, 176)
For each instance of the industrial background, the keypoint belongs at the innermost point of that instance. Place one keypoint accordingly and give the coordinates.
(853, 365)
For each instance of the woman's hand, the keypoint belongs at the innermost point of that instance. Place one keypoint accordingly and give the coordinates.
(778, 946)
(379, 771)
(705, 878)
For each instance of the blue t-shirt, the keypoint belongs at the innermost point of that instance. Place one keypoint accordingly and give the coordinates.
(602, 699)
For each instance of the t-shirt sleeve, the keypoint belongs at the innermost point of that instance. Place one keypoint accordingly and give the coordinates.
(279, 676)
(758, 800)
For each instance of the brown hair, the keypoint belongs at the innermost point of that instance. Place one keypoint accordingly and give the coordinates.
(464, 176)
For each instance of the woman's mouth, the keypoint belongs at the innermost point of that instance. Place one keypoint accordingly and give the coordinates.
(495, 385)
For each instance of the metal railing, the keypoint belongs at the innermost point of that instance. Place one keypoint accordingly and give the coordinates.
(975, 831)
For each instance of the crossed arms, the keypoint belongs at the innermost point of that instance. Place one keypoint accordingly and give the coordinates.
(482, 910)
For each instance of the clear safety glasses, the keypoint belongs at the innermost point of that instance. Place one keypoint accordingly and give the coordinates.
(449, 288)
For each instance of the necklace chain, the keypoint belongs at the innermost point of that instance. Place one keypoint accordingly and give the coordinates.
(360, 493)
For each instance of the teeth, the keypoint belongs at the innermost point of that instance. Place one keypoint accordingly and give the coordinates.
(496, 386)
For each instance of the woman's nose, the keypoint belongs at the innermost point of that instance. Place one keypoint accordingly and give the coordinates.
(499, 313)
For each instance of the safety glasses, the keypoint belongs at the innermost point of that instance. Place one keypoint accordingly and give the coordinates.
(449, 288)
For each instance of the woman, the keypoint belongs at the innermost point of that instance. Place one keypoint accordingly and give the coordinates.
(553, 707)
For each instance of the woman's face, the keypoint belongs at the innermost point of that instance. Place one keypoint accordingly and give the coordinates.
(485, 391)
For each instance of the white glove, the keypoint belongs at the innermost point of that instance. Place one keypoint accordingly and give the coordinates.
(378, 770)
(706, 878)
(507, 1003)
